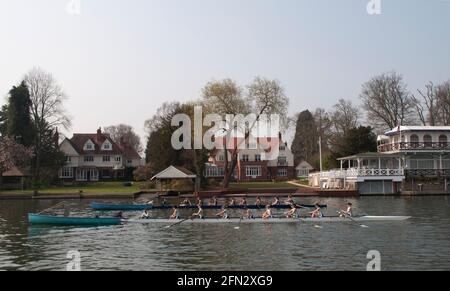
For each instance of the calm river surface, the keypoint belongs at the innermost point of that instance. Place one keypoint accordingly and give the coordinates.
(422, 243)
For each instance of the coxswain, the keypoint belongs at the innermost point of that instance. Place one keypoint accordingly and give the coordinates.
(145, 215)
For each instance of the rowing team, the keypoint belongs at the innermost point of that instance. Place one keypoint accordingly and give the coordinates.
(233, 202)
(292, 213)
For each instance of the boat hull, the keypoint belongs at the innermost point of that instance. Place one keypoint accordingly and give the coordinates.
(142, 207)
(72, 221)
(274, 220)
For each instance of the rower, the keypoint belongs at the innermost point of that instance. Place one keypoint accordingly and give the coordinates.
(223, 214)
(248, 214)
(186, 202)
(151, 202)
(276, 201)
(145, 215)
(292, 213)
(164, 202)
(119, 215)
(268, 213)
(244, 202)
(199, 202)
(258, 201)
(317, 213)
(213, 201)
(289, 201)
(348, 212)
(233, 202)
(175, 213)
(199, 213)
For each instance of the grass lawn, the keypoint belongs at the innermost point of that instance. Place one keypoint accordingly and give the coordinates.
(91, 188)
(261, 185)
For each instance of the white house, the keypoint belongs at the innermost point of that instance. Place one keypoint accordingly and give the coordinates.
(95, 157)
(404, 153)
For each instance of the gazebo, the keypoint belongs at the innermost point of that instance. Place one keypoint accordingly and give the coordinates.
(14, 179)
(177, 173)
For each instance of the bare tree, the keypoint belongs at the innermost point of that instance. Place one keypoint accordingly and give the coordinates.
(47, 109)
(387, 102)
(124, 134)
(443, 96)
(324, 126)
(345, 116)
(427, 105)
(264, 96)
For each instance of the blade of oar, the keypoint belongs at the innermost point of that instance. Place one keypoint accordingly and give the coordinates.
(239, 224)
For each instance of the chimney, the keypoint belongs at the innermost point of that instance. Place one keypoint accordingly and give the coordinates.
(56, 138)
(99, 133)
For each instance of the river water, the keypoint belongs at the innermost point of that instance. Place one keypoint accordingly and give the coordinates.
(422, 243)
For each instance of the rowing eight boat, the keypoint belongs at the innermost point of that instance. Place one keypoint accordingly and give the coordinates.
(273, 220)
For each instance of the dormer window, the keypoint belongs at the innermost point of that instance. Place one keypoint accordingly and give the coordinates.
(107, 146)
(89, 146)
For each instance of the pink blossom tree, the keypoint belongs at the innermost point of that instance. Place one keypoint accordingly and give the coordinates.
(12, 155)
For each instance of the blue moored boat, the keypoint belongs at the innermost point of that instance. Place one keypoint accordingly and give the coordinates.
(72, 221)
(120, 207)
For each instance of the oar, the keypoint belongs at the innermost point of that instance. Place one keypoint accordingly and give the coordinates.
(53, 207)
(350, 218)
(179, 222)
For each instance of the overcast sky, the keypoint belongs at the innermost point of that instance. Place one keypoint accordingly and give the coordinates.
(118, 61)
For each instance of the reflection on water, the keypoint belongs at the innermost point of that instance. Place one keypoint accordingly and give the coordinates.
(419, 244)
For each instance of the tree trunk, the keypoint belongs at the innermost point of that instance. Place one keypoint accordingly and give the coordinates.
(1, 182)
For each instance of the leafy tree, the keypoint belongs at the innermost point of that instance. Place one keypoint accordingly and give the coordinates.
(3, 120)
(357, 140)
(19, 124)
(12, 155)
(306, 140)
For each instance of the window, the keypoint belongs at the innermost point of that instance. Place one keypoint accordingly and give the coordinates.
(66, 173)
(428, 141)
(421, 164)
(88, 159)
(252, 146)
(221, 158)
(282, 172)
(68, 159)
(282, 147)
(106, 159)
(253, 171)
(282, 161)
(118, 159)
(89, 146)
(214, 172)
(81, 175)
(414, 140)
(107, 146)
(94, 175)
(443, 141)
(245, 158)
(258, 158)
(130, 162)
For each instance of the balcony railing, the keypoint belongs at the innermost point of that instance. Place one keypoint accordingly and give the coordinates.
(353, 173)
(414, 146)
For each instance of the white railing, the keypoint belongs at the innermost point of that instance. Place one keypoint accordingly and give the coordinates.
(353, 173)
